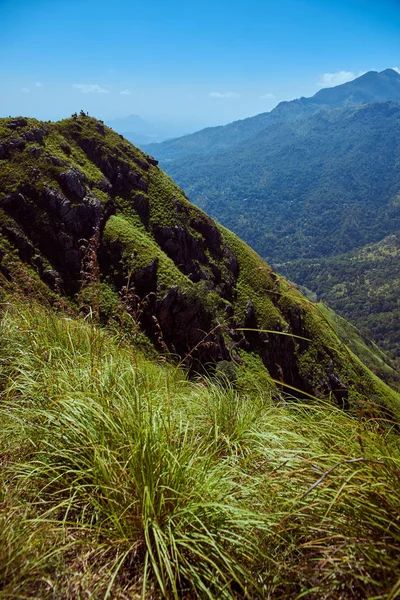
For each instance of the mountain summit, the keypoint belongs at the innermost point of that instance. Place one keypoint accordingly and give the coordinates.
(369, 87)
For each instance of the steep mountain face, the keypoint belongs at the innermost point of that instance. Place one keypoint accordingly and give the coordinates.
(370, 87)
(84, 212)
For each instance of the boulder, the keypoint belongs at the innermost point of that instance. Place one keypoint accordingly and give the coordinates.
(29, 136)
(15, 123)
(39, 135)
(73, 180)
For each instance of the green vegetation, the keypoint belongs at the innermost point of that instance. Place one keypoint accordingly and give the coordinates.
(88, 219)
(176, 419)
(120, 478)
(305, 188)
(304, 185)
(366, 350)
(362, 286)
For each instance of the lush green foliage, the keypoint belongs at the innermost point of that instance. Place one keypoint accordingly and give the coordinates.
(309, 188)
(121, 479)
(363, 286)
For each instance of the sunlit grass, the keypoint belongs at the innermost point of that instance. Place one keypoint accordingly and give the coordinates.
(122, 479)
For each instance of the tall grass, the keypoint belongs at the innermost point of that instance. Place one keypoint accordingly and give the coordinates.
(121, 479)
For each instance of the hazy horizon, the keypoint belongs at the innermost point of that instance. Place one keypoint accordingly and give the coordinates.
(189, 66)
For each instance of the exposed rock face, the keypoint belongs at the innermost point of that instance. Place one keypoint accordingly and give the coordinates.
(15, 123)
(74, 180)
(182, 320)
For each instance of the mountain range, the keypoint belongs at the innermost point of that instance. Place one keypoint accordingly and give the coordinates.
(314, 178)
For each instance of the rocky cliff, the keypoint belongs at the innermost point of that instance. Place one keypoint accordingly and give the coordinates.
(84, 214)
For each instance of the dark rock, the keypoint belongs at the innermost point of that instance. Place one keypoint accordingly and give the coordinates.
(16, 204)
(152, 160)
(51, 278)
(107, 168)
(104, 185)
(66, 241)
(181, 247)
(2, 152)
(100, 128)
(233, 263)
(56, 202)
(82, 219)
(183, 323)
(35, 151)
(216, 273)
(141, 163)
(250, 319)
(15, 123)
(38, 262)
(210, 233)
(73, 260)
(25, 248)
(142, 184)
(229, 310)
(57, 162)
(66, 149)
(141, 205)
(145, 280)
(39, 135)
(74, 180)
(15, 144)
(28, 136)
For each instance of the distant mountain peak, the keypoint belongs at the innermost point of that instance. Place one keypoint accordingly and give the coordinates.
(391, 73)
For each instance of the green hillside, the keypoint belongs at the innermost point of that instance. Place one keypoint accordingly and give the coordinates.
(362, 285)
(176, 419)
(84, 212)
(317, 187)
(314, 178)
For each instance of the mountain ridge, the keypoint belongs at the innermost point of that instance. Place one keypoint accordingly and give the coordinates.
(370, 87)
(84, 212)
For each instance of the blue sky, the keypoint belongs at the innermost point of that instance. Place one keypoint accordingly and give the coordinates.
(201, 63)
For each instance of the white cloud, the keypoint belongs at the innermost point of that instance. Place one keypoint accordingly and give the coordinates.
(87, 88)
(396, 69)
(332, 79)
(38, 84)
(125, 93)
(25, 90)
(224, 95)
(267, 97)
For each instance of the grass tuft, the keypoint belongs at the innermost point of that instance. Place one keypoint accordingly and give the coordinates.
(121, 479)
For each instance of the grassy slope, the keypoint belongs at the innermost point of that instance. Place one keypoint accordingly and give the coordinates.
(121, 479)
(363, 347)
